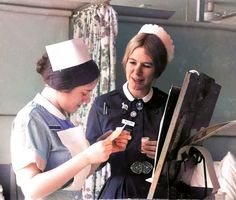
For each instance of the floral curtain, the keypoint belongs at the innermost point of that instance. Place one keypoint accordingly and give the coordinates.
(97, 24)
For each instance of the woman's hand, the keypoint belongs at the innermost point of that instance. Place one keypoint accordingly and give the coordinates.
(105, 135)
(120, 143)
(99, 152)
(148, 147)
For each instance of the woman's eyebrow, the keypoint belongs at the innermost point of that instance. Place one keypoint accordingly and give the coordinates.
(130, 58)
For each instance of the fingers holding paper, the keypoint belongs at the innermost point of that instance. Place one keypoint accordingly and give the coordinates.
(120, 143)
(99, 152)
(119, 138)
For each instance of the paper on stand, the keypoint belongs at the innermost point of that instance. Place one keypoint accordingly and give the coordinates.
(74, 139)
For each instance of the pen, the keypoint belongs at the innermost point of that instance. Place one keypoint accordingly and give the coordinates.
(104, 108)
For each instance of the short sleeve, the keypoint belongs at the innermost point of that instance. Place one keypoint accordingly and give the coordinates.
(29, 141)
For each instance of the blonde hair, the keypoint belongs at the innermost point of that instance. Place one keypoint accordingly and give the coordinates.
(154, 48)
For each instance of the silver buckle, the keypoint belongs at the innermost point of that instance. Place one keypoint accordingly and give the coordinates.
(144, 167)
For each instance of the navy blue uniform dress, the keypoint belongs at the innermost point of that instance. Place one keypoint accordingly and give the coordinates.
(129, 168)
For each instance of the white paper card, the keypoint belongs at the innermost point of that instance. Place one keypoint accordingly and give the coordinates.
(74, 139)
(116, 133)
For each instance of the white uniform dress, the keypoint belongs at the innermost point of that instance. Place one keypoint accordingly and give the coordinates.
(34, 139)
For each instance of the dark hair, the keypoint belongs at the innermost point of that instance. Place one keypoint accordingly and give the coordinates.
(43, 64)
(45, 69)
(154, 48)
(69, 78)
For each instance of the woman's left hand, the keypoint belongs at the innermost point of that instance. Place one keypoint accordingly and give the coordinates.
(148, 147)
(120, 143)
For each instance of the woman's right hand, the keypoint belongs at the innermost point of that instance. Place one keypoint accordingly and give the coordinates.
(99, 152)
(120, 143)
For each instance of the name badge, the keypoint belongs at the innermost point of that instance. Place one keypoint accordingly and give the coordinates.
(127, 122)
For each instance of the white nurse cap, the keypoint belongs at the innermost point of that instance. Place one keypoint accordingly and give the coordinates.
(67, 54)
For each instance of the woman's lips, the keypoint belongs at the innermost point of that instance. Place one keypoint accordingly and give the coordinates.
(137, 80)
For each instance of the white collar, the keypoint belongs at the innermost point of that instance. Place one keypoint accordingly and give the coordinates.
(130, 96)
(49, 106)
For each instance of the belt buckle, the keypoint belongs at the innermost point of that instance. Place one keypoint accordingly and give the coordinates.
(139, 167)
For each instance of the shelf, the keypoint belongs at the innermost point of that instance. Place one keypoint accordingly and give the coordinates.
(54, 4)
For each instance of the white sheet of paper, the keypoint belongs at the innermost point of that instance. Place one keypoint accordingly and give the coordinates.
(116, 133)
(74, 139)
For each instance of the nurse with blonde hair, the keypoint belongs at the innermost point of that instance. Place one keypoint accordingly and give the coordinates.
(139, 106)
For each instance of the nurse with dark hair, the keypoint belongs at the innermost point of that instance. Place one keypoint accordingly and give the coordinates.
(139, 106)
(50, 156)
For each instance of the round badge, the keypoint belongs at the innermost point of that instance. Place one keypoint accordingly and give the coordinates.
(133, 114)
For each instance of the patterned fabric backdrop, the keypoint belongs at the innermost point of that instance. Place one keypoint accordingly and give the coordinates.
(97, 24)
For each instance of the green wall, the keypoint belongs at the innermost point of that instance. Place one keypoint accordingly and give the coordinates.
(23, 37)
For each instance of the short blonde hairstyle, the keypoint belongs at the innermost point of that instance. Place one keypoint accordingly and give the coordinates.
(154, 48)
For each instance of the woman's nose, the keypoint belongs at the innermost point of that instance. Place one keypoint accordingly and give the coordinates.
(137, 68)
